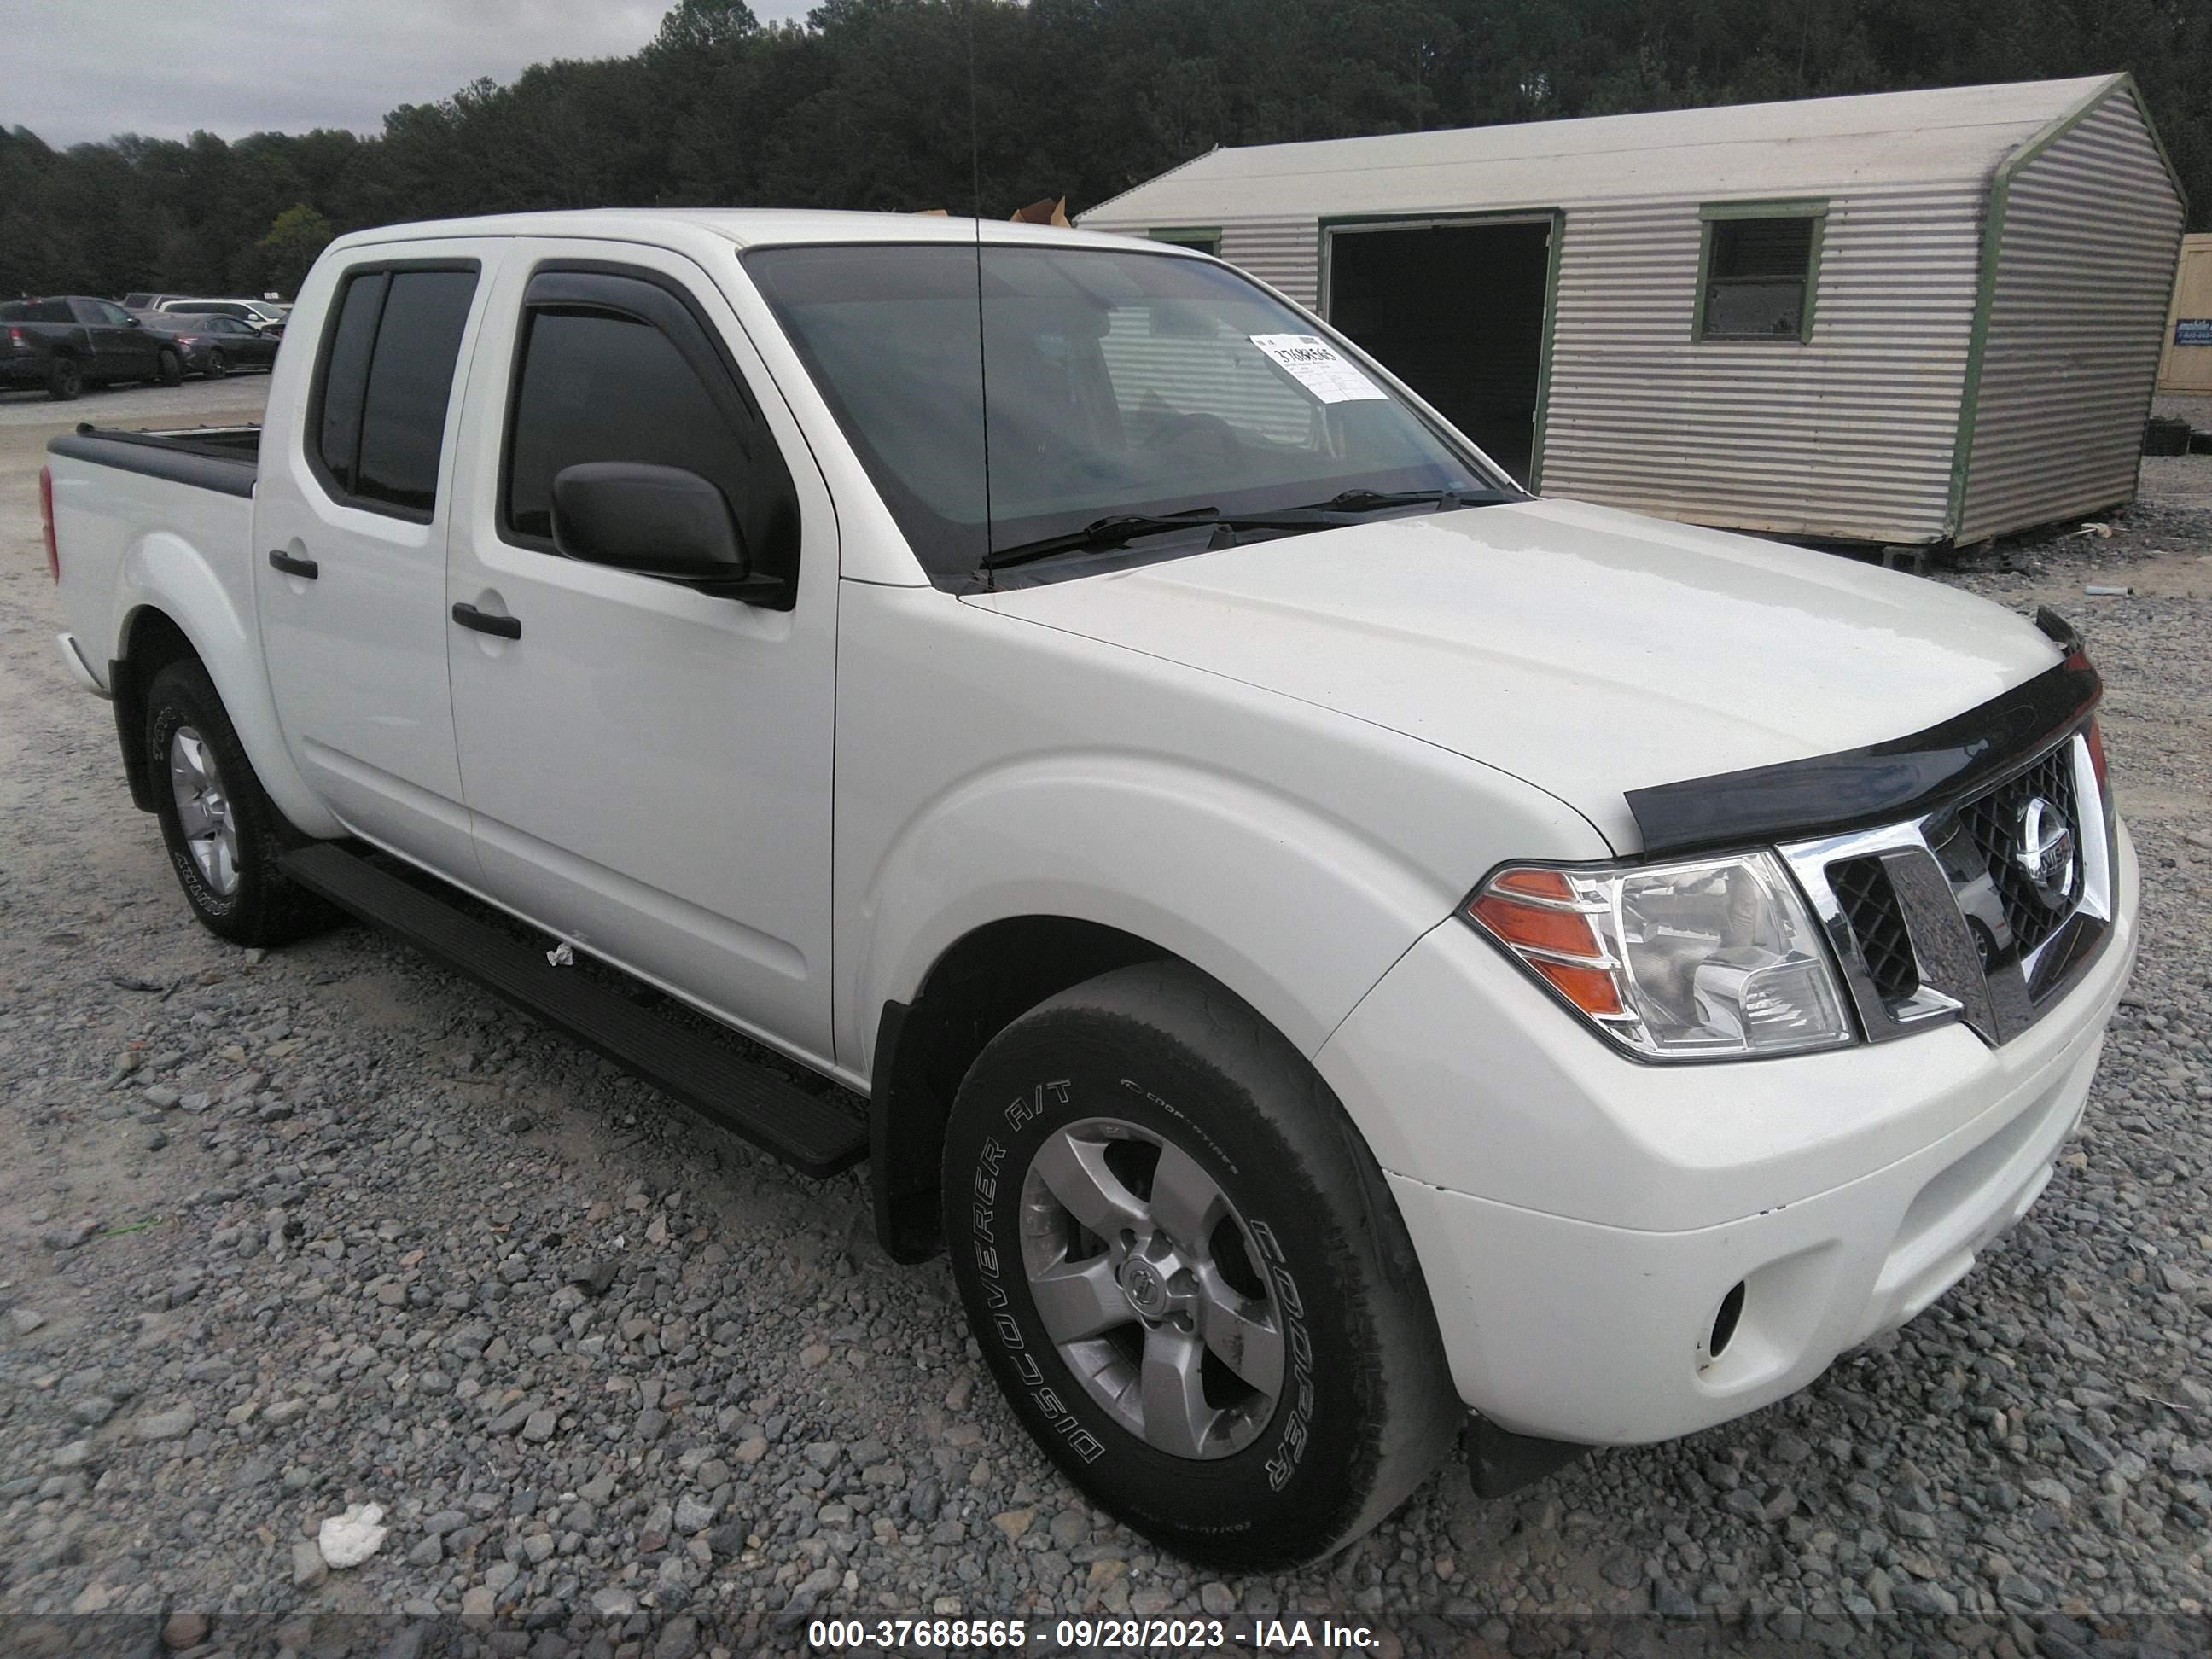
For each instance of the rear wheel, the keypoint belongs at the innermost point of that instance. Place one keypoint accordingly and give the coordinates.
(218, 364)
(65, 381)
(224, 835)
(1185, 1273)
(171, 370)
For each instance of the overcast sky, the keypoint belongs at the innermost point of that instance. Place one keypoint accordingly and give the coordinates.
(79, 70)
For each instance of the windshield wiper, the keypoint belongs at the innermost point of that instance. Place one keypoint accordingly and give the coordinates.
(1373, 500)
(1121, 528)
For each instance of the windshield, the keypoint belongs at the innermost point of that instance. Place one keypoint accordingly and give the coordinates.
(1110, 384)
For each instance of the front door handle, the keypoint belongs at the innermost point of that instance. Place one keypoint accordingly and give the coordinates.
(506, 627)
(308, 569)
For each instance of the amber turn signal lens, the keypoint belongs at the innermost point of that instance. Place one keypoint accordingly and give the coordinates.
(1534, 884)
(1536, 928)
(1590, 989)
(1541, 932)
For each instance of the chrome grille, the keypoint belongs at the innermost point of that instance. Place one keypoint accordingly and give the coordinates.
(1939, 919)
(1877, 923)
(1992, 821)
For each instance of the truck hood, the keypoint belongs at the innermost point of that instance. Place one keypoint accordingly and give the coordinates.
(1587, 651)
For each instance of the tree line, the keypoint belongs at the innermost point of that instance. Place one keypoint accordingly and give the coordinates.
(989, 103)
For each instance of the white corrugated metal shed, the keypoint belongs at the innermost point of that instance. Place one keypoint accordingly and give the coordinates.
(1748, 150)
(1983, 285)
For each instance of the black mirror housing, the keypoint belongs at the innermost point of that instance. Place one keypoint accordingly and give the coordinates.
(663, 521)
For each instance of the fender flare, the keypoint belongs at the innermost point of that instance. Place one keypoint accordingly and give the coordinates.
(1299, 912)
(1098, 858)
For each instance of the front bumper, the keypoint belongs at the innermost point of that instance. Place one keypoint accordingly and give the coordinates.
(1581, 1218)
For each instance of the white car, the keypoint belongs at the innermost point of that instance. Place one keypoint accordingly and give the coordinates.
(1329, 943)
(265, 314)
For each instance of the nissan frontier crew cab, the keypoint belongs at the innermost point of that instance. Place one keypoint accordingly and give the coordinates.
(1329, 943)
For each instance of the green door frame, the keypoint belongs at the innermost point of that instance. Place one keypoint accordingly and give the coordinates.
(1326, 227)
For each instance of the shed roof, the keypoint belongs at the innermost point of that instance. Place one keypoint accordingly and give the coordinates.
(1805, 146)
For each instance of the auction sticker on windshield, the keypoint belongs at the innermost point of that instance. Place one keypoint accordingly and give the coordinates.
(1318, 367)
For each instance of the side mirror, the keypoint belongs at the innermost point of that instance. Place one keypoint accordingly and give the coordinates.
(133, 322)
(657, 521)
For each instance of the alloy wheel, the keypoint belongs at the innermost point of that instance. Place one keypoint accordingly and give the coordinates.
(1144, 1276)
(204, 812)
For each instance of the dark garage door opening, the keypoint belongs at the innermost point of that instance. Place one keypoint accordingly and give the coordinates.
(1457, 312)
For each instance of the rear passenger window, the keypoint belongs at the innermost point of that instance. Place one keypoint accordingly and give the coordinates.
(345, 378)
(384, 386)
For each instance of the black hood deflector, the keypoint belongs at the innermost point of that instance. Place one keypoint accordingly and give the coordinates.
(1884, 783)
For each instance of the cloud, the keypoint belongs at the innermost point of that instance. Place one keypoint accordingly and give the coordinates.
(164, 68)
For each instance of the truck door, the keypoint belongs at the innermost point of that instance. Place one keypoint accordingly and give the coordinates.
(648, 766)
(349, 552)
(121, 350)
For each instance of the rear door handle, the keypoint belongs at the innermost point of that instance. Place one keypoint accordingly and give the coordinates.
(506, 627)
(306, 569)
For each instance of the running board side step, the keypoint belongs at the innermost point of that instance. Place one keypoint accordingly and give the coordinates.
(817, 1136)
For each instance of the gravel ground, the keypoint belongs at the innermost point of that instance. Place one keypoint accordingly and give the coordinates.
(284, 1235)
(148, 406)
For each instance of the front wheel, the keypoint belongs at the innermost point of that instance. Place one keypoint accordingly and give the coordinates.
(224, 835)
(1187, 1275)
(65, 381)
(171, 371)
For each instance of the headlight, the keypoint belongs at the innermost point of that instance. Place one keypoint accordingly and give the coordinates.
(1716, 959)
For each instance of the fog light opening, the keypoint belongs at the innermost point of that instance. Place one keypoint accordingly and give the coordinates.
(1724, 1321)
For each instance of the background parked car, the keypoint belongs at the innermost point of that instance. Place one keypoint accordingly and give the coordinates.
(67, 342)
(261, 313)
(146, 302)
(182, 332)
(226, 343)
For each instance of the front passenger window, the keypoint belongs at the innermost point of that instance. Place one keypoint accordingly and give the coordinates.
(615, 383)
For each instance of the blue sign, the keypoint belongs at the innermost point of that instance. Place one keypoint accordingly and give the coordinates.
(2192, 331)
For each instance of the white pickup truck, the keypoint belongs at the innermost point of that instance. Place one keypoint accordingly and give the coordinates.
(1329, 943)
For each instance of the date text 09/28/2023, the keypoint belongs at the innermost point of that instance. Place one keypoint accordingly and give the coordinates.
(1089, 1635)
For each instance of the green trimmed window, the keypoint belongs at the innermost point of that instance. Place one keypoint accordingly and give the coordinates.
(1759, 266)
(1204, 241)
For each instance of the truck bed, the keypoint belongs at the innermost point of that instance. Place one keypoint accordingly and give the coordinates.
(219, 457)
(139, 511)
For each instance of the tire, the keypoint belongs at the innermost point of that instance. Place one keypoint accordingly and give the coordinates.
(171, 370)
(226, 858)
(217, 364)
(1153, 1086)
(65, 381)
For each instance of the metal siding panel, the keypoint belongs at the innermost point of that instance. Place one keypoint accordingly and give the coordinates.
(1283, 253)
(2076, 321)
(1848, 435)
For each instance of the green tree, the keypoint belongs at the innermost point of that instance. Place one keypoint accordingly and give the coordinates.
(298, 234)
(873, 104)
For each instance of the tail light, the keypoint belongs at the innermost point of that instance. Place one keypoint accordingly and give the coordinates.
(46, 521)
(17, 341)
